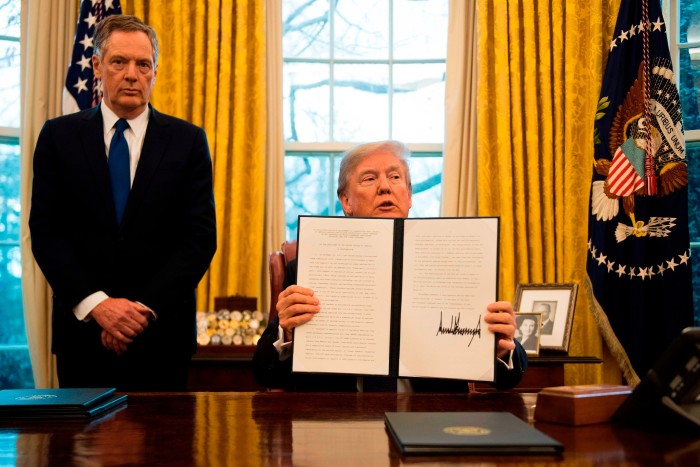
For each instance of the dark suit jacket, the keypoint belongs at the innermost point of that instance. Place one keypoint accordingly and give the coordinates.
(548, 327)
(270, 372)
(159, 253)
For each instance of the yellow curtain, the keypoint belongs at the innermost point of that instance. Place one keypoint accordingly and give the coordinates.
(541, 66)
(212, 72)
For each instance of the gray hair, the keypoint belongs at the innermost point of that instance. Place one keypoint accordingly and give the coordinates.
(355, 155)
(123, 23)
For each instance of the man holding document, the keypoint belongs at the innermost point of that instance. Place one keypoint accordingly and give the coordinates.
(374, 182)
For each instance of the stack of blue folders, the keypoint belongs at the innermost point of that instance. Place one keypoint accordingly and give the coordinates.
(63, 403)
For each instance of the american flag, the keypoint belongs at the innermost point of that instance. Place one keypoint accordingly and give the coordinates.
(81, 90)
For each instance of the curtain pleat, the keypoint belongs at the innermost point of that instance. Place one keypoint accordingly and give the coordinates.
(275, 227)
(47, 30)
(212, 72)
(459, 169)
(541, 65)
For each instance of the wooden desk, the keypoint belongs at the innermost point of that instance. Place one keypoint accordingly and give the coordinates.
(307, 429)
(222, 368)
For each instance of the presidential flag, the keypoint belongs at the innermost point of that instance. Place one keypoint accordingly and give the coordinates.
(81, 90)
(638, 247)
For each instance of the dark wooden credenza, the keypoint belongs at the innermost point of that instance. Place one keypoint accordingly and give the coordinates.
(229, 368)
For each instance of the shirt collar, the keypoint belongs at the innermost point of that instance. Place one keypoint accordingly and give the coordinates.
(137, 125)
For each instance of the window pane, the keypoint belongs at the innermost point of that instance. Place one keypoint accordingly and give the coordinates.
(693, 159)
(426, 177)
(16, 368)
(305, 29)
(688, 82)
(361, 102)
(9, 83)
(689, 30)
(306, 102)
(9, 18)
(362, 29)
(307, 188)
(9, 194)
(12, 324)
(419, 103)
(420, 30)
(14, 354)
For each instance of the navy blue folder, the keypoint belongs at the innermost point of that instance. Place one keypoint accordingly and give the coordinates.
(58, 403)
(467, 433)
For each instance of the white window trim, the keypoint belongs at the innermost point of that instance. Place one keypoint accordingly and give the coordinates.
(295, 146)
(10, 132)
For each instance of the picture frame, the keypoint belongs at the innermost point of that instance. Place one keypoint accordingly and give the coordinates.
(528, 331)
(556, 302)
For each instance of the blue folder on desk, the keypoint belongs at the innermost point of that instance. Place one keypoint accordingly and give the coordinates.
(467, 433)
(58, 403)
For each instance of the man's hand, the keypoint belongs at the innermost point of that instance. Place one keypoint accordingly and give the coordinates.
(122, 319)
(501, 322)
(112, 343)
(295, 306)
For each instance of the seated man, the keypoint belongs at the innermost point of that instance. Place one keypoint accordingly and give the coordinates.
(374, 181)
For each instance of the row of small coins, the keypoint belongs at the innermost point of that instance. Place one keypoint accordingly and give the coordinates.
(226, 327)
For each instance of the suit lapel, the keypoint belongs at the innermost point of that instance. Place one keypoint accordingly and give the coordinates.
(154, 145)
(94, 149)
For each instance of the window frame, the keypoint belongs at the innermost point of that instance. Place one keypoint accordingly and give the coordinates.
(334, 149)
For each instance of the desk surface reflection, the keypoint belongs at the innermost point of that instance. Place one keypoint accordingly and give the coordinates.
(277, 428)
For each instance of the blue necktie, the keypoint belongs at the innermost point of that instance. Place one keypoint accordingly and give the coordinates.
(118, 162)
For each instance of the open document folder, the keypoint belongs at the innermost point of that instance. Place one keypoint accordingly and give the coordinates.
(399, 297)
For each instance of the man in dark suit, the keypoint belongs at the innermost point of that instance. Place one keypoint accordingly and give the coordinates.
(374, 181)
(547, 317)
(124, 252)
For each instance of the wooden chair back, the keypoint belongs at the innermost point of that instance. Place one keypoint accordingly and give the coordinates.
(277, 263)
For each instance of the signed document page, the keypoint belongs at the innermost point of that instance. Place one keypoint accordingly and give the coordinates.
(450, 275)
(348, 264)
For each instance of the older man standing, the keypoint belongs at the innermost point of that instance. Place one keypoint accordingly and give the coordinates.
(374, 181)
(123, 224)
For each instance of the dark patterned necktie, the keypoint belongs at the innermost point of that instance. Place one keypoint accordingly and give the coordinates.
(118, 162)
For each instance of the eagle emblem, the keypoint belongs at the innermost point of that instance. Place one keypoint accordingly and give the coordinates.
(633, 171)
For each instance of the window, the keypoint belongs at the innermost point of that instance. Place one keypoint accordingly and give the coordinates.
(683, 21)
(14, 353)
(358, 71)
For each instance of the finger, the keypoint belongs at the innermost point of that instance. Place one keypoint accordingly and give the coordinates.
(292, 289)
(103, 337)
(297, 298)
(500, 307)
(121, 337)
(502, 330)
(291, 323)
(298, 309)
(108, 341)
(119, 347)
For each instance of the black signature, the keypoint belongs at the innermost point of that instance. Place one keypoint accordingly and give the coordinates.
(454, 328)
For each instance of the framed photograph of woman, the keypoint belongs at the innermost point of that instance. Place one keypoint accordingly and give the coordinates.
(528, 330)
(556, 303)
